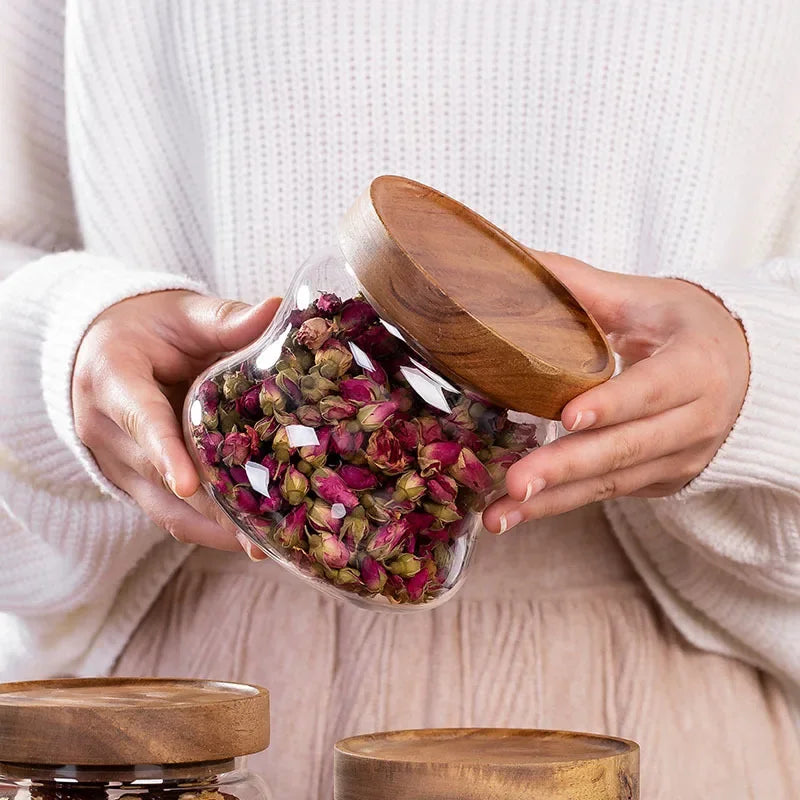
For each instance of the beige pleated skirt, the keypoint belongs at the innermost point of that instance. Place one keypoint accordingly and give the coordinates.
(553, 629)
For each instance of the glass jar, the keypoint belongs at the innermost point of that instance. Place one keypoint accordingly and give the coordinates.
(358, 440)
(98, 739)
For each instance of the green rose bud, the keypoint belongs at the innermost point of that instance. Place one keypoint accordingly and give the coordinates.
(235, 384)
(406, 565)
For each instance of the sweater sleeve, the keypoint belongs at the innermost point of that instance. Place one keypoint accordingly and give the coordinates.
(68, 537)
(723, 555)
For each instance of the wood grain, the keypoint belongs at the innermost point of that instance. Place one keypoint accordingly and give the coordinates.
(486, 764)
(131, 721)
(472, 299)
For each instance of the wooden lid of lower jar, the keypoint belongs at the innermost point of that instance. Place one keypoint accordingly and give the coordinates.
(486, 764)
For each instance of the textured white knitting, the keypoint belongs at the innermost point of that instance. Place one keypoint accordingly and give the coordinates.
(216, 145)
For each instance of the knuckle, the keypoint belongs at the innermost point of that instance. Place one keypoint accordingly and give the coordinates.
(129, 420)
(605, 488)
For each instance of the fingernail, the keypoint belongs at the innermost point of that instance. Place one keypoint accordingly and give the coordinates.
(584, 419)
(509, 520)
(535, 485)
(170, 481)
(253, 552)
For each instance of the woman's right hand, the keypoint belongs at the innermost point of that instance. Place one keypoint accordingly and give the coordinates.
(132, 371)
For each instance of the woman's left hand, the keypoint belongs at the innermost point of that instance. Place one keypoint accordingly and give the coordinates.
(654, 427)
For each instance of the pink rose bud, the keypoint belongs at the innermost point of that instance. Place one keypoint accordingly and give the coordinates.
(236, 448)
(208, 395)
(464, 436)
(470, 472)
(416, 585)
(235, 384)
(518, 436)
(385, 454)
(419, 521)
(285, 418)
(406, 565)
(329, 550)
(499, 461)
(361, 390)
(335, 408)
(290, 532)
(459, 415)
(376, 415)
(330, 487)
(270, 396)
(346, 442)
(333, 359)
(288, 381)
(373, 574)
(208, 447)
(266, 427)
(377, 374)
(314, 387)
(314, 332)
(438, 456)
(356, 315)
(243, 500)
(402, 399)
(317, 454)
(388, 540)
(409, 486)
(275, 467)
(321, 518)
(328, 304)
(239, 475)
(294, 486)
(223, 482)
(355, 528)
(444, 513)
(377, 341)
(272, 501)
(429, 430)
(377, 509)
(248, 404)
(407, 434)
(442, 489)
(358, 478)
(309, 416)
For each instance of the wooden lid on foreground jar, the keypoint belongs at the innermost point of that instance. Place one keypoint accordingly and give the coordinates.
(486, 764)
(127, 721)
(488, 313)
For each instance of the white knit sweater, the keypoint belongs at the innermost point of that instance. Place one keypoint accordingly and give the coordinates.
(216, 144)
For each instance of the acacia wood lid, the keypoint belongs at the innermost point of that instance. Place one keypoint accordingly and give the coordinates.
(126, 721)
(472, 298)
(486, 764)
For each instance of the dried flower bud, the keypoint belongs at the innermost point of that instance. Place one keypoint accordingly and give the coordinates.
(309, 416)
(403, 399)
(295, 486)
(223, 482)
(208, 447)
(235, 384)
(321, 518)
(345, 441)
(242, 499)
(417, 584)
(248, 404)
(463, 436)
(409, 486)
(388, 540)
(373, 574)
(407, 434)
(347, 576)
(272, 501)
(288, 381)
(333, 359)
(334, 408)
(361, 390)
(330, 487)
(444, 513)
(460, 415)
(281, 448)
(239, 475)
(266, 427)
(355, 527)
(442, 556)
(317, 454)
(328, 304)
(499, 461)
(358, 478)
(208, 395)
(442, 489)
(385, 454)
(377, 508)
(328, 550)
(377, 341)
(405, 565)
(419, 522)
(517, 436)
(285, 418)
(376, 415)
(438, 456)
(270, 396)
(314, 387)
(314, 332)
(290, 532)
(229, 417)
(356, 316)
(470, 472)
(429, 430)
(235, 448)
(275, 467)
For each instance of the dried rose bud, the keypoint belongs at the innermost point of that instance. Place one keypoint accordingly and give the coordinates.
(281, 448)
(314, 332)
(499, 461)
(288, 381)
(321, 518)
(330, 487)
(518, 436)
(419, 521)
(270, 396)
(373, 574)
(329, 550)
(266, 427)
(229, 417)
(402, 398)
(460, 415)
(328, 304)
(235, 448)
(333, 359)
(285, 417)
(360, 390)
(492, 421)
(409, 486)
(242, 499)
(235, 384)
(463, 436)
(429, 430)
(272, 501)
(294, 486)
(208, 447)
(399, 507)
(438, 456)
(442, 489)
(416, 585)
(405, 565)
(377, 508)
(290, 532)
(208, 395)
(248, 404)
(442, 556)
(355, 527)
(376, 415)
(344, 440)
(309, 416)
(356, 316)
(222, 481)
(470, 472)
(385, 454)
(347, 576)
(388, 540)
(377, 374)
(314, 387)
(444, 513)
(377, 341)
(239, 475)
(358, 478)
(317, 454)
(275, 467)
(407, 434)
(334, 408)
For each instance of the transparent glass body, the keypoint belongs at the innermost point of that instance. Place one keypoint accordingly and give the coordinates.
(335, 444)
(219, 780)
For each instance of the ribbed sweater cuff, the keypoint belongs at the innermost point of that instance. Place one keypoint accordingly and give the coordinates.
(763, 447)
(83, 287)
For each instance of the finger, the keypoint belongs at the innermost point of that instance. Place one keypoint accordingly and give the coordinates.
(668, 379)
(597, 453)
(134, 402)
(506, 513)
(211, 325)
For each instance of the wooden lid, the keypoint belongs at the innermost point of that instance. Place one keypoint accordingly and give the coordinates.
(486, 764)
(126, 721)
(472, 298)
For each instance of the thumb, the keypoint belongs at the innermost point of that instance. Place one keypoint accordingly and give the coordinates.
(221, 325)
(603, 294)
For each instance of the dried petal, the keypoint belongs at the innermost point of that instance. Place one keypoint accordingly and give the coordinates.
(329, 486)
(314, 332)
